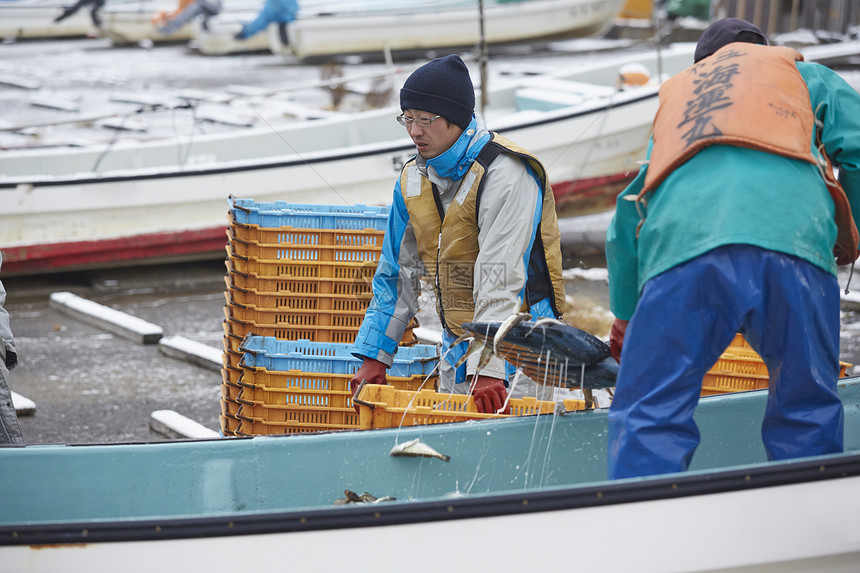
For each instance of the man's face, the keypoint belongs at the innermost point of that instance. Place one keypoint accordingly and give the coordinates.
(434, 139)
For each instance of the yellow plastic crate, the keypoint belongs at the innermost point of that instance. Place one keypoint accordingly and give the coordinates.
(303, 268)
(740, 368)
(300, 327)
(389, 407)
(305, 244)
(230, 387)
(303, 279)
(299, 311)
(296, 300)
(288, 402)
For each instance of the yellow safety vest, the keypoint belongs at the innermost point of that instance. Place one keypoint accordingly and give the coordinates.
(448, 242)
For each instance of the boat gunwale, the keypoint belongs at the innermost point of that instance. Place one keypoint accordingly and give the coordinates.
(607, 493)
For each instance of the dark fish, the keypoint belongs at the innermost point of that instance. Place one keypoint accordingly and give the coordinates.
(352, 497)
(551, 352)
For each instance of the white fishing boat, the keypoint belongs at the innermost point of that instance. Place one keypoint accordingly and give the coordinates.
(105, 204)
(373, 27)
(137, 21)
(35, 19)
(455, 23)
(128, 201)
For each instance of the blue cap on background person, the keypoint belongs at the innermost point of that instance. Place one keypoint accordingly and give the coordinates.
(724, 32)
(441, 86)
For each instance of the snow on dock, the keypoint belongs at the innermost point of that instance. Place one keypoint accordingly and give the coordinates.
(115, 321)
(175, 425)
(191, 351)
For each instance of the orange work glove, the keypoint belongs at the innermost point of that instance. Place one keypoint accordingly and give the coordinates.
(616, 338)
(490, 394)
(371, 372)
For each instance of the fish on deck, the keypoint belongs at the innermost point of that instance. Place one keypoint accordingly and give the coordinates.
(417, 449)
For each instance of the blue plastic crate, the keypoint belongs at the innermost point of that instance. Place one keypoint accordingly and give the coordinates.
(308, 216)
(329, 357)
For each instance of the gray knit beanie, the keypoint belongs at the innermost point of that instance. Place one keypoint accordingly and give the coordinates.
(442, 86)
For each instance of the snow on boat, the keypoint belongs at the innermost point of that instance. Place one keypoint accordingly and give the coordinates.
(71, 207)
(217, 504)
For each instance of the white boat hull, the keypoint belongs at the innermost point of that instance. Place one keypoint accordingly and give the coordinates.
(320, 35)
(35, 19)
(132, 23)
(799, 527)
(217, 39)
(142, 204)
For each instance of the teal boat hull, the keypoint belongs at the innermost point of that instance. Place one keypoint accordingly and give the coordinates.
(289, 484)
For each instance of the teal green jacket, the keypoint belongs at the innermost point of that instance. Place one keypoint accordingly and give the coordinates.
(727, 195)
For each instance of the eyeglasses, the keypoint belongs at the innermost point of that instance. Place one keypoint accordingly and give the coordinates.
(424, 122)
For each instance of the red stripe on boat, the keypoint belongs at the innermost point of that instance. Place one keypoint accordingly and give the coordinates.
(154, 247)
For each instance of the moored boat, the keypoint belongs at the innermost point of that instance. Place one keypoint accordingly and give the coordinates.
(104, 204)
(379, 26)
(137, 21)
(202, 504)
(36, 19)
(326, 29)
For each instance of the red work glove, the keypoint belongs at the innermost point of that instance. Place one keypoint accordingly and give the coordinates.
(616, 338)
(371, 372)
(490, 394)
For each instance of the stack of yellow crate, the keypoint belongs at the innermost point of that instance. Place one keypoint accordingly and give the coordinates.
(740, 368)
(288, 387)
(296, 272)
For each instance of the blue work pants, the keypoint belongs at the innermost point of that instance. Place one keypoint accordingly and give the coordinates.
(788, 311)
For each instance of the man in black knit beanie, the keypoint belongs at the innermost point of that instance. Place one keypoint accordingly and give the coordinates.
(474, 212)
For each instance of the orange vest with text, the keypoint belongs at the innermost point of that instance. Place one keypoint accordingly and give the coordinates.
(746, 95)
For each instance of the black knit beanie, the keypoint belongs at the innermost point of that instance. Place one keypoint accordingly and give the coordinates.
(724, 32)
(441, 86)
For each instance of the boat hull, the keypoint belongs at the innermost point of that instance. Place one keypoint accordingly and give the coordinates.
(35, 19)
(133, 23)
(748, 530)
(457, 25)
(139, 194)
(167, 504)
(91, 217)
(218, 37)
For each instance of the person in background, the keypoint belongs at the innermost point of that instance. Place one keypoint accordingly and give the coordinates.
(733, 226)
(476, 213)
(281, 12)
(162, 17)
(10, 432)
(95, 15)
(185, 13)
